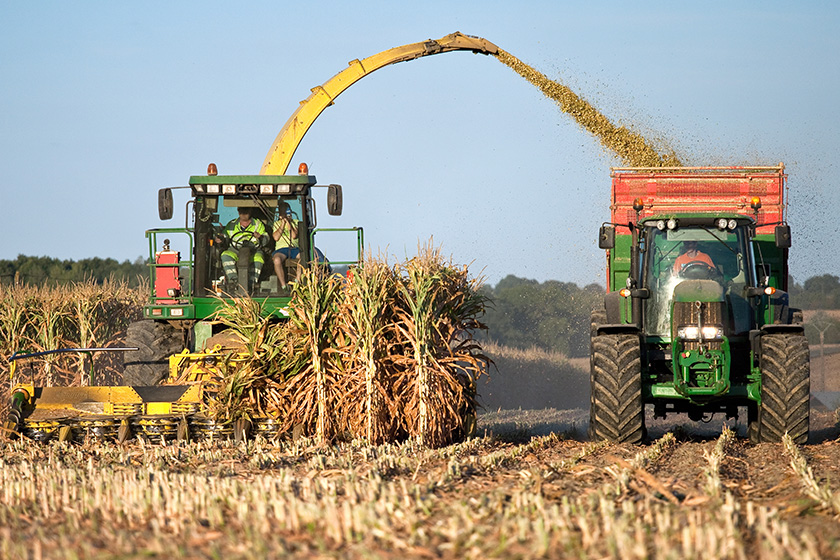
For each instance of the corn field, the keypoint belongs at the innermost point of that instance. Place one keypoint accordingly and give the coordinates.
(82, 315)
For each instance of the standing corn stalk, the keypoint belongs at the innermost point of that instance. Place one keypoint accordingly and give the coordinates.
(15, 313)
(86, 307)
(367, 314)
(51, 317)
(313, 310)
(439, 308)
(246, 381)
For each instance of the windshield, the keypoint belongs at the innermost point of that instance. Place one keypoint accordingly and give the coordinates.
(694, 253)
(225, 236)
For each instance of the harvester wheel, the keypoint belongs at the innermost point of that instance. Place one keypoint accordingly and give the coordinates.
(156, 341)
(616, 411)
(785, 389)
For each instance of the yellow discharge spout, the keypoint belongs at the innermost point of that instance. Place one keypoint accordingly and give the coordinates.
(283, 149)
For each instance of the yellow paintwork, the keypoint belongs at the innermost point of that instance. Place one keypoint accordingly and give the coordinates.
(114, 400)
(194, 367)
(290, 136)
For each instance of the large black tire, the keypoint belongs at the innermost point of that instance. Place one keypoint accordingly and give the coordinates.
(616, 411)
(156, 341)
(597, 317)
(785, 389)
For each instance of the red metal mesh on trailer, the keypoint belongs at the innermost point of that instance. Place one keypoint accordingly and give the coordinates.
(698, 189)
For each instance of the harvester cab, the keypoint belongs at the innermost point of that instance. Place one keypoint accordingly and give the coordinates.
(245, 236)
(701, 323)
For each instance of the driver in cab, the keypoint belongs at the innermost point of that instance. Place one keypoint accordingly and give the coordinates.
(690, 255)
(239, 232)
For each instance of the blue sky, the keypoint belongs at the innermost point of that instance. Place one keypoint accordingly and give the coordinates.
(103, 103)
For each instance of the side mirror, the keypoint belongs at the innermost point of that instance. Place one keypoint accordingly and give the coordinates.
(606, 237)
(783, 236)
(165, 204)
(335, 200)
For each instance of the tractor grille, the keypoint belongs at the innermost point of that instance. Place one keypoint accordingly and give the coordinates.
(694, 312)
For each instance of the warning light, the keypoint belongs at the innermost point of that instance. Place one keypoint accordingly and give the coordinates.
(624, 292)
(755, 202)
(303, 169)
(769, 290)
(211, 170)
(638, 205)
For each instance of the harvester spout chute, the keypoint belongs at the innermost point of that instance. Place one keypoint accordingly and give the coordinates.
(284, 146)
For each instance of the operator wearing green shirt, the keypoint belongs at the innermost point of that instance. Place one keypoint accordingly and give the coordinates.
(240, 232)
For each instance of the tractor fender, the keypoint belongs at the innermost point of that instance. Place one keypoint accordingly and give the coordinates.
(612, 303)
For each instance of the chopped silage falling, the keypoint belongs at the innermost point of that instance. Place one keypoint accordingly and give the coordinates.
(630, 147)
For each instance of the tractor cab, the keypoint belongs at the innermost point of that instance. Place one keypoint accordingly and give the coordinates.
(697, 258)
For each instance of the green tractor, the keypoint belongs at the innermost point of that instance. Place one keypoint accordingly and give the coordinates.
(702, 324)
(226, 260)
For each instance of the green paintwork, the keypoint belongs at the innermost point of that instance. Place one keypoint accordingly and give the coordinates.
(708, 370)
(252, 180)
(668, 391)
(619, 262)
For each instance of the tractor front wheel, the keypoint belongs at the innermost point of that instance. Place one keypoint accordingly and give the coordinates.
(785, 390)
(155, 342)
(616, 410)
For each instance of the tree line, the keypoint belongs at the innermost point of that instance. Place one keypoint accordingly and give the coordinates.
(550, 315)
(50, 271)
(819, 293)
(554, 316)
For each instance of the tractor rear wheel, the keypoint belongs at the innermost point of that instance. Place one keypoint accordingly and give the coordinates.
(597, 317)
(156, 341)
(785, 390)
(616, 411)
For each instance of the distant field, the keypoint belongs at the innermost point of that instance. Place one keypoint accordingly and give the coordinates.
(533, 379)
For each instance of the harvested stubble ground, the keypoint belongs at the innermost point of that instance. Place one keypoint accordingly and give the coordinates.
(505, 494)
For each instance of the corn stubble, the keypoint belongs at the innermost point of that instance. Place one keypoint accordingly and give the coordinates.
(480, 498)
(632, 148)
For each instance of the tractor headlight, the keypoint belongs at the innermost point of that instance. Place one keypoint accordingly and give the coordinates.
(212, 189)
(672, 224)
(721, 223)
(732, 224)
(228, 189)
(689, 333)
(660, 225)
(693, 332)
